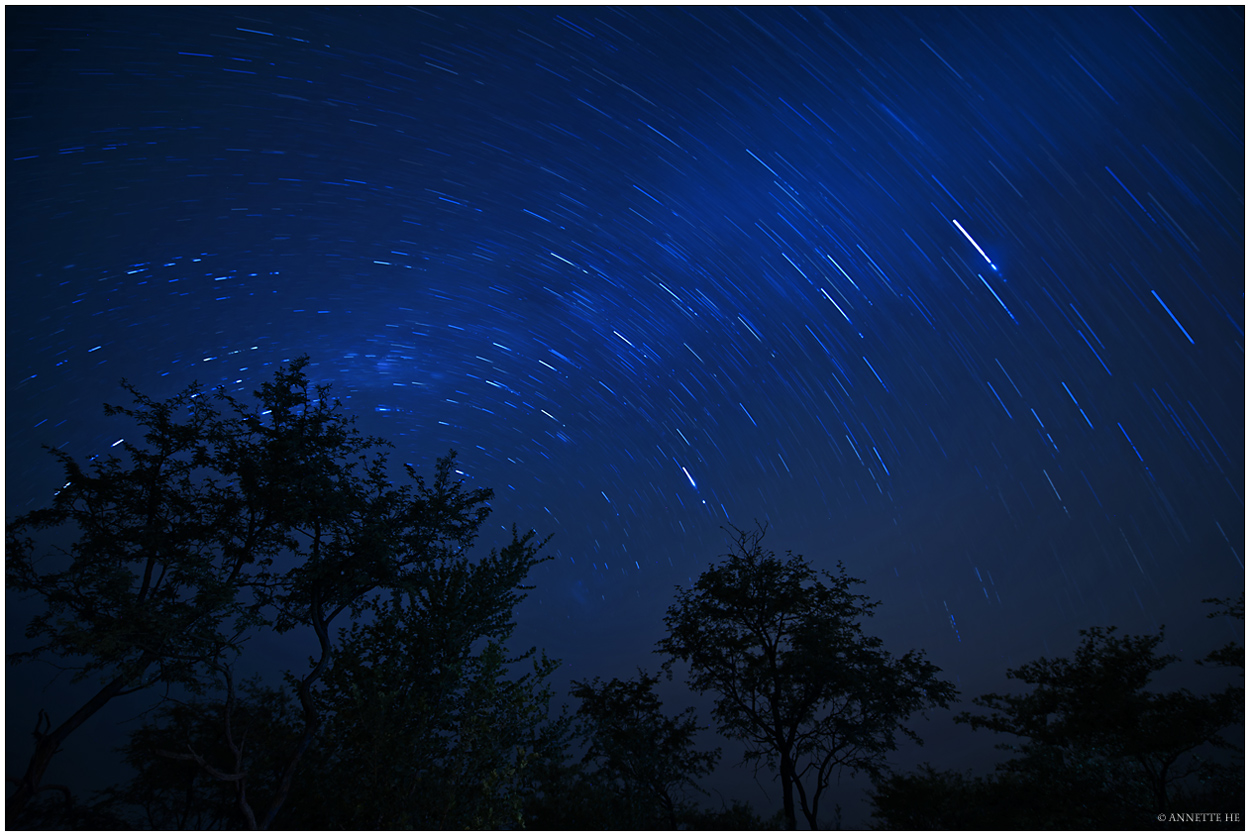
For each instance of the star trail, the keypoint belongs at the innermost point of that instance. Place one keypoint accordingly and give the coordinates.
(955, 296)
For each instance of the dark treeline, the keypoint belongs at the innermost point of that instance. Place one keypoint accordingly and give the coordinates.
(233, 520)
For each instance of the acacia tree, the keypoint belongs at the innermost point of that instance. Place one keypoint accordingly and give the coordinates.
(353, 534)
(277, 516)
(427, 727)
(643, 757)
(422, 725)
(1097, 704)
(355, 540)
(796, 678)
(166, 556)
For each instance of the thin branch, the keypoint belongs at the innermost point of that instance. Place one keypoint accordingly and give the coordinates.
(203, 764)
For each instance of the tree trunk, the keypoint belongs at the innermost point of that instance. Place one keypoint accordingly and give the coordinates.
(312, 717)
(787, 791)
(47, 745)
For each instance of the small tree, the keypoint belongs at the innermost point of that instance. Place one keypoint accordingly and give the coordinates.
(176, 786)
(931, 800)
(421, 721)
(426, 725)
(1224, 778)
(644, 757)
(1098, 702)
(1043, 790)
(796, 679)
(1231, 655)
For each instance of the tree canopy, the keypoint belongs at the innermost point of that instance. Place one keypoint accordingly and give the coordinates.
(1098, 702)
(170, 555)
(277, 516)
(796, 679)
(1096, 745)
(156, 568)
(645, 758)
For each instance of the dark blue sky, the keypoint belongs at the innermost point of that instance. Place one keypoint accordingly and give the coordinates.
(953, 296)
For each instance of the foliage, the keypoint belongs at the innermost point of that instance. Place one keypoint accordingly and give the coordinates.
(423, 726)
(796, 678)
(1098, 702)
(168, 559)
(641, 756)
(239, 519)
(1231, 655)
(559, 795)
(1222, 781)
(1043, 790)
(569, 797)
(1100, 750)
(426, 727)
(234, 521)
(56, 809)
(735, 816)
(176, 786)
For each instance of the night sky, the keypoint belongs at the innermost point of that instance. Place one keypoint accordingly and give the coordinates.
(953, 296)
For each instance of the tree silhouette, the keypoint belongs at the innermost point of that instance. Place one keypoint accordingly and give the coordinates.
(644, 757)
(168, 554)
(236, 519)
(796, 678)
(1224, 779)
(1231, 655)
(1096, 707)
(426, 726)
(1099, 750)
(1044, 789)
(176, 785)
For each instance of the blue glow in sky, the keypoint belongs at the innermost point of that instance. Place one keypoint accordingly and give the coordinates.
(955, 296)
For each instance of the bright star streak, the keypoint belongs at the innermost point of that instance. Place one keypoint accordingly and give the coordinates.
(975, 244)
(1174, 319)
